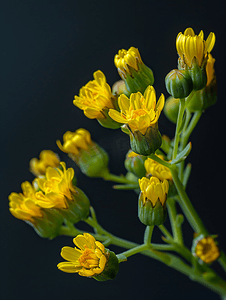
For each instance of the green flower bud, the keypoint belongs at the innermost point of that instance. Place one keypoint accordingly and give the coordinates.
(198, 74)
(152, 201)
(133, 71)
(90, 157)
(134, 163)
(178, 83)
(111, 268)
(171, 109)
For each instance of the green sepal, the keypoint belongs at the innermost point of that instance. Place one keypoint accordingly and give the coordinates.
(78, 208)
(111, 268)
(107, 121)
(198, 74)
(151, 215)
(148, 143)
(49, 225)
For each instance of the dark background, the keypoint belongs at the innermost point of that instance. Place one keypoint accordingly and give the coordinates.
(49, 50)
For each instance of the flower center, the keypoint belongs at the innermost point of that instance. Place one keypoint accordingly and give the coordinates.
(88, 259)
(138, 113)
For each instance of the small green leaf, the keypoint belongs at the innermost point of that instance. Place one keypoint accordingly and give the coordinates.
(182, 155)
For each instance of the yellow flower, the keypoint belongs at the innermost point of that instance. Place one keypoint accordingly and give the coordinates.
(22, 205)
(207, 250)
(125, 60)
(88, 258)
(140, 111)
(73, 142)
(56, 187)
(210, 72)
(190, 45)
(47, 158)
(153, 190)
(155, 169)
(94, 97)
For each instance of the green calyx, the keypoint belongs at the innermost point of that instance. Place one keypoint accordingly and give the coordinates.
(147, 143)
(151, 215)
(93, 161)
(111, 269)
(78, 207)
(49, 225)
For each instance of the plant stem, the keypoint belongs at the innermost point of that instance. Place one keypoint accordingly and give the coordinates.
(178, 127)
(187, 207)
(115, 178)
(176, 228)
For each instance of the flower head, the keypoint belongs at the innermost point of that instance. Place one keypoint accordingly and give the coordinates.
(190, 45)
(206, 249)
(94, 97)
(153, 190)
(22, 205)
(156, 169)
(74, 142)
(127, 59)
(56, 187)
(47, 158)
(89, 258)
(140, 111)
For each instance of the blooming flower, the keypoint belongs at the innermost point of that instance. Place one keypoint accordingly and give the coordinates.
(206, 249)
(47, 158)
(140, 111)
(56, 187)
(94, 97)
(190, 45)
(156, 169)
(22, 205)
(153, 190)
(88, 258)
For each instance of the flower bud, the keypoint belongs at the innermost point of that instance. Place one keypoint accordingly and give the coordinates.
(171, 109)
(133, 71)
(178, 83)
(152, 201)
(134, 163)
(90, 157)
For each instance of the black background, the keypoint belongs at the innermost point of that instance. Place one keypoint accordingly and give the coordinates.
(49, 50)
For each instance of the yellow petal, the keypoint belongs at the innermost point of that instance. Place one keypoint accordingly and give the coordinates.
(210, 42)
(67, 267)
(123, 102)
(70, 254)
(189, 31)
(117, 116)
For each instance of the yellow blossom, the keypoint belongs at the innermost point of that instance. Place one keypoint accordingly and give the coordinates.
(94, 97)
(47, 158)
(125, 60)
(73, 142)
(140, 111)
(56, 187)
(207, 250)
(88, 258)
(22, 205)
(190, 45)
(210, 72)
(153, 190)
(156, 169)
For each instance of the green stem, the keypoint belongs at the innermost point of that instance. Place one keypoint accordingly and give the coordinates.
(176, 228)
(115, 178)
(222, 260)
(178, 127)
(187, 207)
(190, 128)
